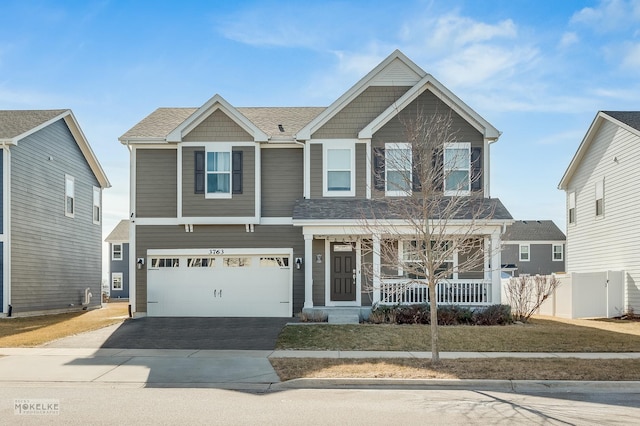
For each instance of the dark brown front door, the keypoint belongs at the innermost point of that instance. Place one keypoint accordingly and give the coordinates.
(343, 267)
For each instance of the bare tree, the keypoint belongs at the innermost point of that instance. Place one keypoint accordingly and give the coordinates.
(526, 294)
(428, 210)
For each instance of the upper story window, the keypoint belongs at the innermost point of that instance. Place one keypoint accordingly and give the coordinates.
(116, 251)
(97, 205)
(600, 198)
(218, 167)
(69, 196)
(457, 168)
(572, 207)
(524, 253)
(558, 252)
(398, 165)
(339, 169)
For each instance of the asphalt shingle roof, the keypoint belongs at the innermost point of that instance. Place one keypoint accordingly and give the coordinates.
(630, 118)
(533, 230)
(16, 122)
(333, 208)
(120, 233)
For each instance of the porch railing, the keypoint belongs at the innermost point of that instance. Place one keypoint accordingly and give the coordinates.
(450, 292)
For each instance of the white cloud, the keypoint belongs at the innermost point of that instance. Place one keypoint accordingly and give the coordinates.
(609, 15)
(566, 137)
(631, 58)
(568, 39)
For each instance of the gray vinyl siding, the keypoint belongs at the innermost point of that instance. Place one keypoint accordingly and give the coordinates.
(475, 269)
(1, 276)
(239, 205)
(315, 170)
(123, 267)
(428, 104)
(317, 174)
(318, 273)
(1, 193)
(53, 257)
(156, 183)
(220, 236)
(282, 180)
(360, 112)
(361, 170)
(218, 127)
(610, 242)
(540, 262)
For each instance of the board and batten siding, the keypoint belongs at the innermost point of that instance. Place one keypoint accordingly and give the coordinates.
(217, 127)
(610, 242)
(219, 236)
(156, 183)
(282, 180)
(360, 112)
(239, 205)
(54, 258)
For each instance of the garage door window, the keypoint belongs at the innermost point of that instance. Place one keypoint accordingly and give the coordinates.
(201, 262)
(165, 262)
(237, 262)
(274, 262)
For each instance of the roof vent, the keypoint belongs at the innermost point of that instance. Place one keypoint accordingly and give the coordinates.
(280, 127)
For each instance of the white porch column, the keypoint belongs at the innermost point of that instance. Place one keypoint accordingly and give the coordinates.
(487, 259)
(308, 270)
(496, 268)
(376, 269)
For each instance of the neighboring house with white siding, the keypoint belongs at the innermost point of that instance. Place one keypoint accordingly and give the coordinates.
(118, 241)
(259, 211)
(533, 247)
(603, 207)
(51, 206)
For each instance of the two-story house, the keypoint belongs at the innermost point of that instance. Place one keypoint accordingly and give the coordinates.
(258, 211)
(533, 247)
(118, 240)
(51, 214)
(602, 210)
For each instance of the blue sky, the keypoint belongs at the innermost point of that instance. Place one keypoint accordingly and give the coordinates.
(537, 70)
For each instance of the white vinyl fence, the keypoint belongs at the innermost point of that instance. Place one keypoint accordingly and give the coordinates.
(585, 295)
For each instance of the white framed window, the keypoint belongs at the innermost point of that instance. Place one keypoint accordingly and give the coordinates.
(558, 252)
(339, 166)
(218, 172)
(116, 281)
(457, 168)
(237, 262)
(165, 263)
(116, 251)
(525, 254)
(600, 198)
(572, 207)
(201, 262)
(272, 262)
(97, 206)
(413, 253)
(398, 164)
(69, 196)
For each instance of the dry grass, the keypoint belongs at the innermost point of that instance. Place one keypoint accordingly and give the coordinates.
(34, 331)
(498, 369)
(541, 335)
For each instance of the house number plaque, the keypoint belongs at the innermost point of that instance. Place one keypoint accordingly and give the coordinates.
(216, 251)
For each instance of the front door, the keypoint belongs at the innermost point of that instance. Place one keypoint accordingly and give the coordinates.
(343, 272)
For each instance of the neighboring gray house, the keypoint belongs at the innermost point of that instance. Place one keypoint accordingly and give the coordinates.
(603, 207)
(532, 247)
(118, 241)
(257, 211)
(51, 227)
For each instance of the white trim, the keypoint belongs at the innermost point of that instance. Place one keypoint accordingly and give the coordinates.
(520, 247)
(6, 229)
(113, 258)
(327, 279)
(308, 270)
(338, 144)
(132, 230)
(205, 144)
(257, 179)
(117, 275)
(599, 195)
(276, 221)
(572, 205)
(307, 172)
(447, 171)
(368, 169)
(398, 146)
(179, 180)
(220, 147)
(99, 191)
(199, 220)
(225, 252)
(532, 242)
(486, 176)
(553, 246)
(69, 178)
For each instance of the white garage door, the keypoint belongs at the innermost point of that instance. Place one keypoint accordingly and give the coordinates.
(219, 283)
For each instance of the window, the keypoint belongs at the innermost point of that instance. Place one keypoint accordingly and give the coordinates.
(237, 262)
(267, 262)
(457, 168)
(398, 178)
(218, 166)
(116, 252)
(413, 254)
(600, 198)
(69, 196)
(165, 263)
(572, 207)
(558, 252)
(339, 166)
(96, 205)
(524, 253)
(116, 281)
(201, 262)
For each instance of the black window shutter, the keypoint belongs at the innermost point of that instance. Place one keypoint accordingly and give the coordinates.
(417, 172)
(437, 162)
(378, 168)
(476, 169)
(236, 172)
(199, 172)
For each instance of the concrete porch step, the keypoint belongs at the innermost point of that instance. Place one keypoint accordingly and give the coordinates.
(343, 318)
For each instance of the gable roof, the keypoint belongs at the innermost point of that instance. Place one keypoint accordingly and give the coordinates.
(119, 234)
(629, 120)
(533, 230)
(16, 125)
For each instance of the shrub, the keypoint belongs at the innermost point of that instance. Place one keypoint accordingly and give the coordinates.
(447, 315)
(413, 314)
(493, 315)
(383, 314)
